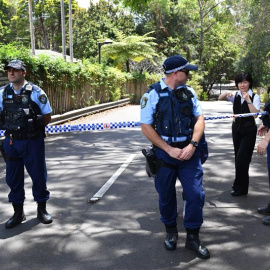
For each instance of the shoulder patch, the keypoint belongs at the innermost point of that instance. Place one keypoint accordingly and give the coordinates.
(43, 99)
(144, 102)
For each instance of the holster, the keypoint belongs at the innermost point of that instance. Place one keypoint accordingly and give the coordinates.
(5, 156)
(151, 165)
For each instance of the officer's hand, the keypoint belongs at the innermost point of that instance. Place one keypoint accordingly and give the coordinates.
(187, 152)
(229, 94)
(174, 152)
(261, 149)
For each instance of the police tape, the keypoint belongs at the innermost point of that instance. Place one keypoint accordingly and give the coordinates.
(117, 125)
(234, 115)
(87, 127)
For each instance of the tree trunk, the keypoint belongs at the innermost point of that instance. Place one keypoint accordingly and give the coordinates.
(127, 66)
(45, 36)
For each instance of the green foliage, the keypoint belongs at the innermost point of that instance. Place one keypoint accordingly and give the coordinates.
(6, 11)
(204, 96)
(136, 48)
(47, 22)
(213, 34)
(106, 83)
(264, 96)
(256, 41)
(102, 20)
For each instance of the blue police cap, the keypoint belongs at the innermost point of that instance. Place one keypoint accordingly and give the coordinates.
(16, 64)
(177, 62)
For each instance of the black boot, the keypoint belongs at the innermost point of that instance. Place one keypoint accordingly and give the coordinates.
(193, 243)
(42, 213)
(264, 210)
(171, 238)
(17, 218)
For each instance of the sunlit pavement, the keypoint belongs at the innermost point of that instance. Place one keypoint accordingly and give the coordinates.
(122, 230)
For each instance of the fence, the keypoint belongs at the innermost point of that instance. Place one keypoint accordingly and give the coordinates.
(64, 99)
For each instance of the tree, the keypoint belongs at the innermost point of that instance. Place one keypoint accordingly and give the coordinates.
(256, 41)
(136, 48)
(47, 22)
(101, 20)
(6, 12)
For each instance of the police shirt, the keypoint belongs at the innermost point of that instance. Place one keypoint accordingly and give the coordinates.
(37, 95)
(150, 99)
(256, 100)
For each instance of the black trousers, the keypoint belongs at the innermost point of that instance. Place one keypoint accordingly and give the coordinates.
(244, 138)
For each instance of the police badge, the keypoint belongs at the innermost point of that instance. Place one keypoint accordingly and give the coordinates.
(24, 99)
(43, 99)
(144, 102)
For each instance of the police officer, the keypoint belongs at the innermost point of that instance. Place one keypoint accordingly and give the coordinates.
(25, 112)
(172, 119)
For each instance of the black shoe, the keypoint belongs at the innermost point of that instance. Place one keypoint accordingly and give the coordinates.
(266, 221)
(265, 210)
(193, 243)
(44, 216)
(171, 241)
(17, 219)
(238, 193)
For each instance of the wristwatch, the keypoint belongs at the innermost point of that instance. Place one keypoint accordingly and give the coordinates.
(194, 143)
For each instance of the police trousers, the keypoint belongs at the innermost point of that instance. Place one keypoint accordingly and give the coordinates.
(190, 174)
(28, 153)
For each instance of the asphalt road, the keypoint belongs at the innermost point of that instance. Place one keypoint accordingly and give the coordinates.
(122, 230)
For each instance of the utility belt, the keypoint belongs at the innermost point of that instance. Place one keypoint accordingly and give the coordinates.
(179, 142)
(180, 145)
(21, 136)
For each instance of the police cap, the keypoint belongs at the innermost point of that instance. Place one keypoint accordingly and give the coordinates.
(16, 64)
(177, 62)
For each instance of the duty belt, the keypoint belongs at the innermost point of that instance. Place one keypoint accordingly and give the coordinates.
(174, 139)
(21, 136)
(180, 145)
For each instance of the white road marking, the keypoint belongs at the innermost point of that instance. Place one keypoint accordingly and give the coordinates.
(108, 184)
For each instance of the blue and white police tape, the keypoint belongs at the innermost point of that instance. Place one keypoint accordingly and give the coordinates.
(85, 127)
(234, 115)
(117, 125)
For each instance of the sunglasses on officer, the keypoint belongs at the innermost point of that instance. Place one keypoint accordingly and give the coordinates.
(185, 71)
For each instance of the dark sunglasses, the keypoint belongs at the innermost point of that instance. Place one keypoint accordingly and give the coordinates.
(185, 71)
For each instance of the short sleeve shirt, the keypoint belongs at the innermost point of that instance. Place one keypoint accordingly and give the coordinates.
(37, 95)
(150, 100)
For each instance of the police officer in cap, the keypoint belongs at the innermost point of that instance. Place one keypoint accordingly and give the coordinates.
(25, 112)
(172, 120)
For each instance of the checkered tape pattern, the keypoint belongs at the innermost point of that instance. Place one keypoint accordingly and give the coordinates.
(86, 127)
(117, 125)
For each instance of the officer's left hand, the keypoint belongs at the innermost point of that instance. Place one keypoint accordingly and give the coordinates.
(187, 152)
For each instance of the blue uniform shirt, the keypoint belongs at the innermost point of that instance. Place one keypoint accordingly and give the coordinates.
(149, 101)
(35, 96)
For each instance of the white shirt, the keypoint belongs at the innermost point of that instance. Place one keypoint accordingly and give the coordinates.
(256, 101)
